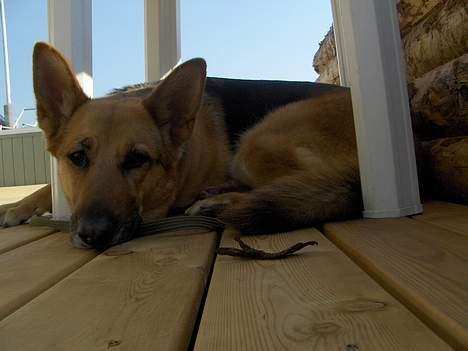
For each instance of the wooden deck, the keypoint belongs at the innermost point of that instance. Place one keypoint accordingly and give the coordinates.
(393, 284)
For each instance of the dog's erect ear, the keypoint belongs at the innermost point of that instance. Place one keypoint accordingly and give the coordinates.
(175, 101)
(58, 93)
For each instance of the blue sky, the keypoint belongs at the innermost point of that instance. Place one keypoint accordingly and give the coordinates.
(254, 39)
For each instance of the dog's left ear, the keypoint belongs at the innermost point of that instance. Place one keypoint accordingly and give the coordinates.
(58, 93)
(175, 102)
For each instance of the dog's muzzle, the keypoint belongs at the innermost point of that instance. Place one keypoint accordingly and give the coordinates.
(100, 229)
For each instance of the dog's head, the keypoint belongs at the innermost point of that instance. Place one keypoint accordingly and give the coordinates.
(118, 156)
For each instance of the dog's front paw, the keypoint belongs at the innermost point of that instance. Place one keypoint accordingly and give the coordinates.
(207, 207)
(8, 215)
(227, 187)
(210, 192)
(16, 213)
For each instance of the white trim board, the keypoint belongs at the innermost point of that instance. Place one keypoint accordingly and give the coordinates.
(371, 64)
(162, 37)
(70, 32)
(16, 131)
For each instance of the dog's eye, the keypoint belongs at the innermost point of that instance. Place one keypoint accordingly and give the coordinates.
(78, 158)
(134, 159)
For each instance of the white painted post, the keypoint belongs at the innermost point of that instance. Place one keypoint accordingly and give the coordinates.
(371, 63)
(338, 30)
(7, 107)
(162, 37)
(70, 32)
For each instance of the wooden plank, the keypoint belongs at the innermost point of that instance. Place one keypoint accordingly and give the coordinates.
(28, 156)
(31, 269)
(39, 160)
(10, 194)
(18, 160)
(446, 215)
(8, 165)
(316, 300)
(11, 238)
(141, 295)
(424, 266)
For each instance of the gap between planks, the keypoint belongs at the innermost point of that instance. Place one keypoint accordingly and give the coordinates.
(140, 295)
(14, 237)
(29, 270)
(453, 217)
(422, 265)
(315, 300)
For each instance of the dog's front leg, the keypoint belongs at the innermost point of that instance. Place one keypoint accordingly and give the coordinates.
(231, 185)
(214, 205)
(37, 203)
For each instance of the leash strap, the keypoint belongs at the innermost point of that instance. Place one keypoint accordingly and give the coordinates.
(147, 228)
(190, 222)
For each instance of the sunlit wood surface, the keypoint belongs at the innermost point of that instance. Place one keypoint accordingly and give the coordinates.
(394, 284)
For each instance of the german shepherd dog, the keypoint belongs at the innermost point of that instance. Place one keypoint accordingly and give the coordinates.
(262, 156)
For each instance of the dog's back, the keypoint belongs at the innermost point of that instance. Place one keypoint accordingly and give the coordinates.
(299, 160)
(246, 102)
(242, 103)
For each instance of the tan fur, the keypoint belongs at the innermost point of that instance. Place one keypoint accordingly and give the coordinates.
(309, 135)
(300, 160)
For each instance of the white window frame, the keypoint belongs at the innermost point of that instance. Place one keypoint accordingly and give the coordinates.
(370, 62)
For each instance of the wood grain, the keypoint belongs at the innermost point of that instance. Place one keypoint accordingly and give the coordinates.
(316, 300)
(411, 12)
(425, 266)
(325, 61)
(11, 238)
(10, 194)
(439, 105)
(446, 167)
(437, 39)
(446, 215)
(141, 295)
(29, 270)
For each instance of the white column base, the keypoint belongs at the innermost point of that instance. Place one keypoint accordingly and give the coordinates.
(371, 63)
(70, 31)
(394, 213)
(60, 208)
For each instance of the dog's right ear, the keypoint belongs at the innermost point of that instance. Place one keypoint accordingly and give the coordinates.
(58, 93)
(176, 100)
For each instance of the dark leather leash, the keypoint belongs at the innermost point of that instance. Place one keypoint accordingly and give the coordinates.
(147, 228)
(190, 222)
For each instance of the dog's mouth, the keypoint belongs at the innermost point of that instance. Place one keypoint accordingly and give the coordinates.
(119, 234)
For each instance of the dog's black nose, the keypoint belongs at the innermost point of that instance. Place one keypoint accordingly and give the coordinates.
(96, 228)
